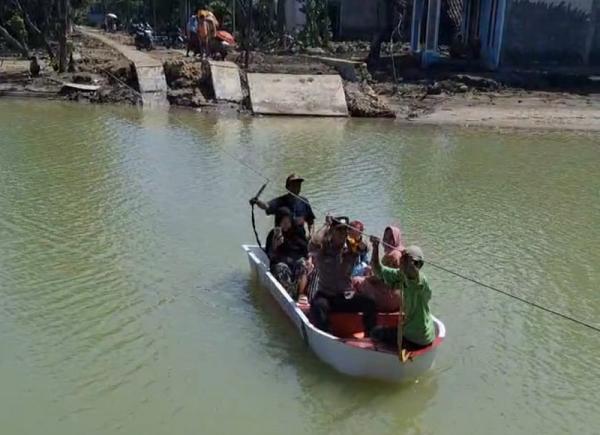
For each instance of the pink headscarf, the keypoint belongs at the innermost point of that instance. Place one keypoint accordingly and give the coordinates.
(386, 300)
(393, 254)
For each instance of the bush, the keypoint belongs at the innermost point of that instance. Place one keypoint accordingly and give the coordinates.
(17, 28)
(221, 10)
(316, 32)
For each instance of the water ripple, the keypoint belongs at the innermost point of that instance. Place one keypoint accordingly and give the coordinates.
(125, 302)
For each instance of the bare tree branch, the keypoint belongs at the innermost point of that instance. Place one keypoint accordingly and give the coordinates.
(33, 28)
(22, 48)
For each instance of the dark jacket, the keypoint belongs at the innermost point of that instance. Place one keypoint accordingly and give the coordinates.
(294, 246)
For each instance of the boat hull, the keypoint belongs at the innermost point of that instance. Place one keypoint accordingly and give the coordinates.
(343, 355)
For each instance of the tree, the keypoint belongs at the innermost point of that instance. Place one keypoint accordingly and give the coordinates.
(396, 13)
(12, 41)
(64, 19)
(33, 28)
(316, 30)
(281, 22)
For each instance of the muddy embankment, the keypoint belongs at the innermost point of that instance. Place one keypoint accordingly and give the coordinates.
(190, 84)
(361, 98)
(395, 86)
(110, 78)
(108, 75)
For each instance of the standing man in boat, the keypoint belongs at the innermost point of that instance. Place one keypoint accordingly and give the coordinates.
(298, 205)
(417, 330)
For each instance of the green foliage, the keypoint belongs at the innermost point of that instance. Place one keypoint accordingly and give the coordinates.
(266, 21)
(127, 9)
(316, 32)
(222, 11)
(79, 10)
(16, 26)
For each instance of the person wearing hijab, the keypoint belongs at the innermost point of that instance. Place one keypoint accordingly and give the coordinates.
(386, 299)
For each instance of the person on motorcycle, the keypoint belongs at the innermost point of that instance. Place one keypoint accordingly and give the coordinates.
(144, 37)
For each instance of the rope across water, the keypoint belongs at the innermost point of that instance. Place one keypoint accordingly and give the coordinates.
(434, 265)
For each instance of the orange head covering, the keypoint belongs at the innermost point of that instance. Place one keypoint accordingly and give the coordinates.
(354, 234)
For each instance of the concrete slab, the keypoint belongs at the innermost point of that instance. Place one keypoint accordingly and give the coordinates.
(350, 70)
(81, 87)
(150, 72)
(151, 79)
(292, 94)
(14, 66)
(226, 81)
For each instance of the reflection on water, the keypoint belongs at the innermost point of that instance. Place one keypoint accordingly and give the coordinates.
(125, 303)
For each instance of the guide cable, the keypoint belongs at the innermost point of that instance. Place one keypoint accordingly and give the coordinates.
(432, 264)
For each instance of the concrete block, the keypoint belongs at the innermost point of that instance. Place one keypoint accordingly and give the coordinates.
(226, 81)
(151, 79)
(291, 94)
(150, 73)
(350, 70)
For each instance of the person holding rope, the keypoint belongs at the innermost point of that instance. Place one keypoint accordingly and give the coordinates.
(298, 205)
(417, 329)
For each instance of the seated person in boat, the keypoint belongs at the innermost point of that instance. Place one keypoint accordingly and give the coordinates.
(385, 297)
(287, 249)
(417, 329)
(335, 262)
(298, 205)
(355, 244)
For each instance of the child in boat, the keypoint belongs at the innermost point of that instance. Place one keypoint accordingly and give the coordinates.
(357, 246)
(287, 249)
(417, 329)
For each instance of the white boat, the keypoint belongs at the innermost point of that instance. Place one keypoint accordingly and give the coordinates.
(354, 357)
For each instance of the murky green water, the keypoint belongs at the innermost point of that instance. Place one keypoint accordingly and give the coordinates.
(126, 305)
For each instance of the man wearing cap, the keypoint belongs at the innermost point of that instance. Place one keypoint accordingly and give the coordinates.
(335, 262)
(417, 330)
(299, 206)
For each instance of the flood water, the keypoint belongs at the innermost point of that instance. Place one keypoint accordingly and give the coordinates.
(126, 304)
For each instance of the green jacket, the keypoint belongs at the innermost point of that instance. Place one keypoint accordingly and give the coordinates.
(418, 324)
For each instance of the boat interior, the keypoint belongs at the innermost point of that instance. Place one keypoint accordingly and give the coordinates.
(349, 328)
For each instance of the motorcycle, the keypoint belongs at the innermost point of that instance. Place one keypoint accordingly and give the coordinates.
(175, 39)
(144, 37)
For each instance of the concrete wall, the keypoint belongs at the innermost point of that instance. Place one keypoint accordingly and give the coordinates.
(550, 33)
(294, 17)
(95, 19)
(594, 35)
(359, 19)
